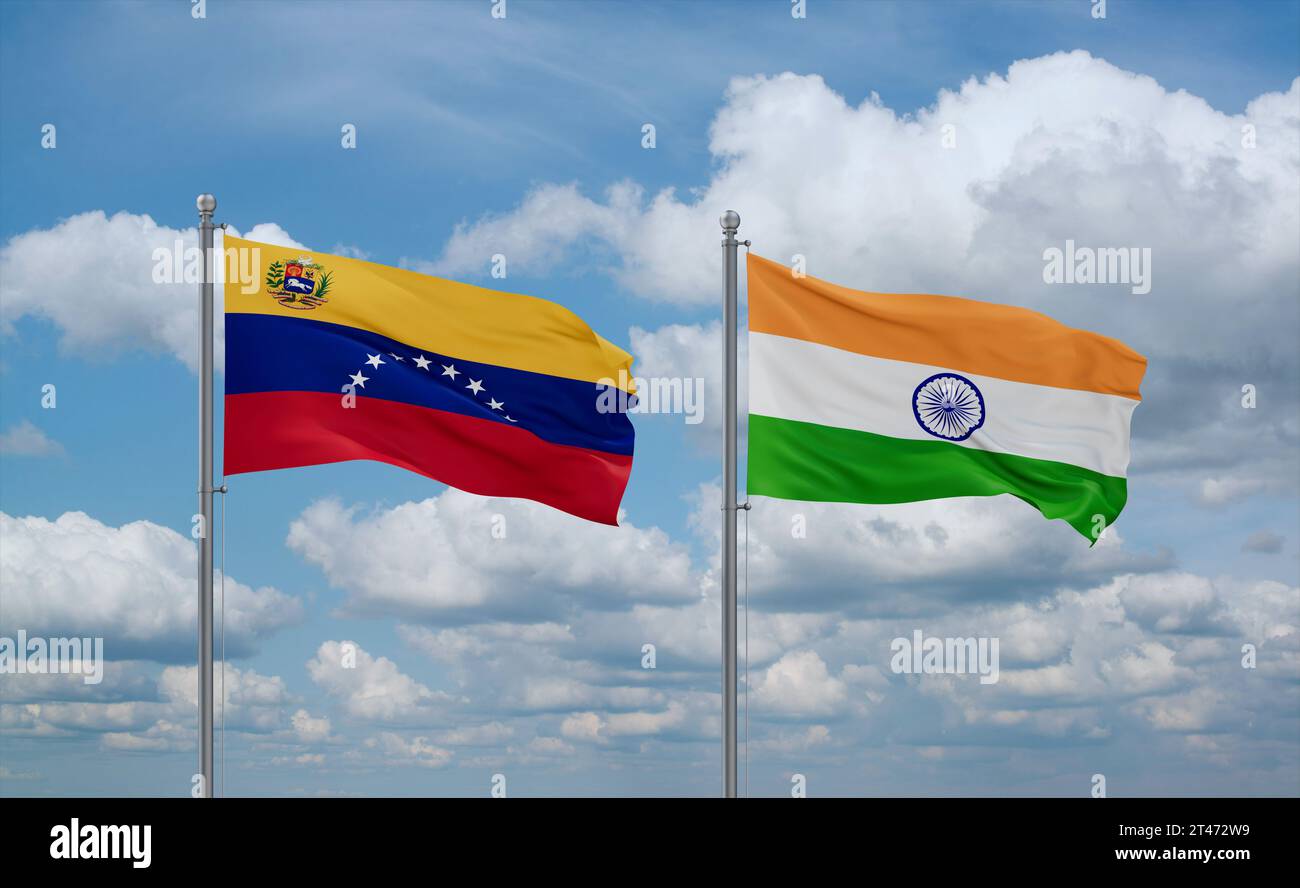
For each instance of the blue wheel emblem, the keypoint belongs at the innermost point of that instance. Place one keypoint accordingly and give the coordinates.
(948, 406)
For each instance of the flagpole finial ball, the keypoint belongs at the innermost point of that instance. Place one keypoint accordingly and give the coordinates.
(206, 203)
(730, 219)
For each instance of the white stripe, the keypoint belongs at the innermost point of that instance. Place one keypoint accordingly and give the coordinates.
(810, 382)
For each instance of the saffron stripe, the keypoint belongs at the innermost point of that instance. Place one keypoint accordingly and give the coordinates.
(966, 335)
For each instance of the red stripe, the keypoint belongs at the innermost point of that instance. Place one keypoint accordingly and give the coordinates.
(281, 430)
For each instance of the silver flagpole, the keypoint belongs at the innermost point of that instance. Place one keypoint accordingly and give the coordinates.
(730, 224)
(206, 204)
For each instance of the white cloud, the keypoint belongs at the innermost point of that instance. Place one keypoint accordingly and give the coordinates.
(528, 244)
(310, 729)
(417, 751)
(1219, 491)
(1170, 602)
(1202, 709)
(967, 548)
(557, 693)
(490, 734)
(789, 742)
(592, 727)
(799, 684)
(145, 713)
(132, 585)
(549, 746)
(104, 298)
(162, 736)
(372, 689)
(1067, 655)
(26, 439)
(439, 557)
(455, 646)
(639, 724)
(585, 727)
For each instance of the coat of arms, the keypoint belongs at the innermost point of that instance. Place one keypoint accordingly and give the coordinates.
(299, 284)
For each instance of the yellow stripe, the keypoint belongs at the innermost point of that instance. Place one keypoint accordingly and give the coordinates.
(450, 318)
(942, 331)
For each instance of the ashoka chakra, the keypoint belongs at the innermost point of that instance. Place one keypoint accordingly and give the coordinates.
(948, 406)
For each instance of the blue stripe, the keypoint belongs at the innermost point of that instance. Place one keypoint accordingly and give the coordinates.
(269, 353)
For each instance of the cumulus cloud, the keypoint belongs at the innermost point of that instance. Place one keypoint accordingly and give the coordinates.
(456, 646)
(372, 689)
(488, 734)
(1075, 662)
(592, 727)
(935, 552)
(799, 684)
(310, 729)
(140, 711)
(445, 559)
(418, 751)
(253, 702)
(1089, 636)
(26, 439)
(783, 743)
(104, 298)
(132, 585)
(1172, 602)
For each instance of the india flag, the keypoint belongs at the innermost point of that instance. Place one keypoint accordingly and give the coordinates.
(891, 398)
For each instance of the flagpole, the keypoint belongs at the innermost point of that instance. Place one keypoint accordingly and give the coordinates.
(206, 204)
(730, 222)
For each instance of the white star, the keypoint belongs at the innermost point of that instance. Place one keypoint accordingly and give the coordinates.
(495, 404)
(422, 362)
(358, 379)
(374, 360)
(399, 357)
(449, 370)
(475, 386)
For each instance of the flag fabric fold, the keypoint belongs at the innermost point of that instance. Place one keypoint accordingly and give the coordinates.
(890, 398)
(331, 358)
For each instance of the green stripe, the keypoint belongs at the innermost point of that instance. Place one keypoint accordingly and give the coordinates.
(805, 461)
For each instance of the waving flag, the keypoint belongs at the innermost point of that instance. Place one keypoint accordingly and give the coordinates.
(333, 359)
(885, 398)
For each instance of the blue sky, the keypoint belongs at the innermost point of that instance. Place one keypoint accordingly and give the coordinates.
(462, 121)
